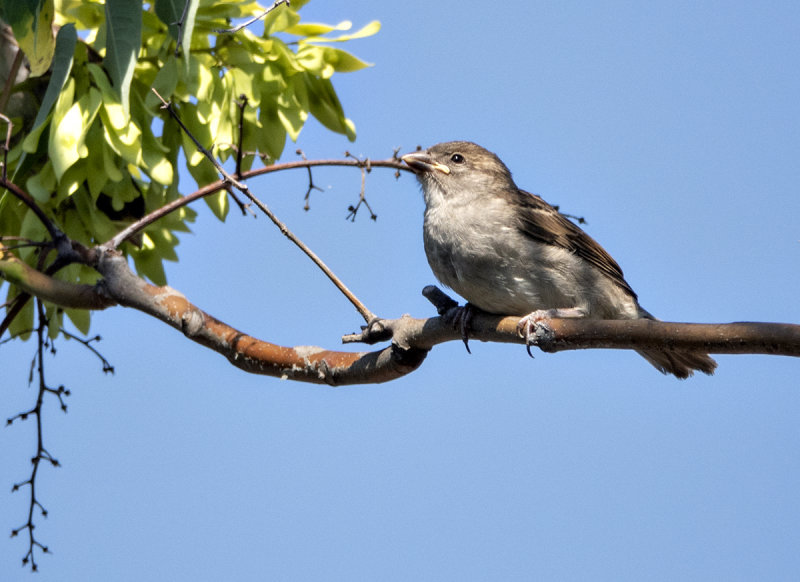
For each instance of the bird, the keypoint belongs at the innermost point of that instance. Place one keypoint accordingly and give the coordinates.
(509, 252)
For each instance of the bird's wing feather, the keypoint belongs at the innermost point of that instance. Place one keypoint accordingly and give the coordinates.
(545, 224)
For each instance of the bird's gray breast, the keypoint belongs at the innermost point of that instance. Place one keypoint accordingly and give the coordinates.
(474, 248)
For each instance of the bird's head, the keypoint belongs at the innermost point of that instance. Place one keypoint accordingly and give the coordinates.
(458, 168)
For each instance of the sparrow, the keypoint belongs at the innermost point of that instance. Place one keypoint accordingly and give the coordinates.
(508, 252)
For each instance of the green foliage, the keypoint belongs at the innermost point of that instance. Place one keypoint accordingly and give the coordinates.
(101, 152)
(32, 23)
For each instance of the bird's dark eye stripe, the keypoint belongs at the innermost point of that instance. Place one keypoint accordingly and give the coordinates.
(457, 159)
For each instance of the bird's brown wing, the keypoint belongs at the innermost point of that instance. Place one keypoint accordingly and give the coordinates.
(545, 224)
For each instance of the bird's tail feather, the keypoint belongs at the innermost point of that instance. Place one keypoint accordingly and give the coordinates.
(678, 363)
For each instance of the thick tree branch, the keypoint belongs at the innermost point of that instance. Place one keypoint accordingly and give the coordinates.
(71, 295)
(780, 339)
(411, 338)
(304, 363)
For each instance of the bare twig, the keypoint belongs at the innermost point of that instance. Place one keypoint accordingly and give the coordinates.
(252, 20)
(311, 185)
(41, 452)
(244, 189)
(11, 79)
(7, 143)
(28, 200)
(362, 198)
(241, 103)
(87, 343)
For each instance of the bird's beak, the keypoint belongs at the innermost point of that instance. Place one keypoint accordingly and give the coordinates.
(422, 162)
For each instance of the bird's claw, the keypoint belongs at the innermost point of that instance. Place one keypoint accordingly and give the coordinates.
(461, 319)
(533, 328)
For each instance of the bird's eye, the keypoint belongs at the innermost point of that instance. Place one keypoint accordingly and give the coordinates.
(457, 159)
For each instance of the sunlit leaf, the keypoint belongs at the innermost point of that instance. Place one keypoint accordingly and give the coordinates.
(113, 152)
(67, 137)
(368, 30)
(317, 29)
(292, 121)
(218, 203)
(32, 23)
(62, 65)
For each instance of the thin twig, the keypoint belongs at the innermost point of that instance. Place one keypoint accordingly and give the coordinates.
(41, 453)
(107, 367)
(311, 185)
(135, 227)
(28, 200)
(11, 79)
(241, 103)
(252, 20)
(244, 189)
(6, 144)
(362, 197)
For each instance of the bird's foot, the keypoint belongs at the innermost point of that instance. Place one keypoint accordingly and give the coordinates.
(534, 327)
(461, 319)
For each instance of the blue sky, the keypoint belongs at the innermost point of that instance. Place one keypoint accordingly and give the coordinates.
(674, 128)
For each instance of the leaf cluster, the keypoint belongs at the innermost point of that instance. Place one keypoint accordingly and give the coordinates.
(97, 151)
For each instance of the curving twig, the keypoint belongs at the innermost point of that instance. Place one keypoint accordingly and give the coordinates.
(227, 179)
(134, 228)
(252, 20)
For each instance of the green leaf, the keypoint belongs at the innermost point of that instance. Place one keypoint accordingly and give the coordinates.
(188, 28)
(54, 317)
(317, 29)
(67, 135)
(165, 82)
(32, 22)
(292, 121)
(80, 318)
(344, 62)
(271, 136)
(218, 203)
(326, 107)
(42, 185)
(123, 39)
(171, 12)
(23, 322)
(148, 261)
(62, 64)
(62, 108)
(280, 19)
(368, 30)
(96, 168)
